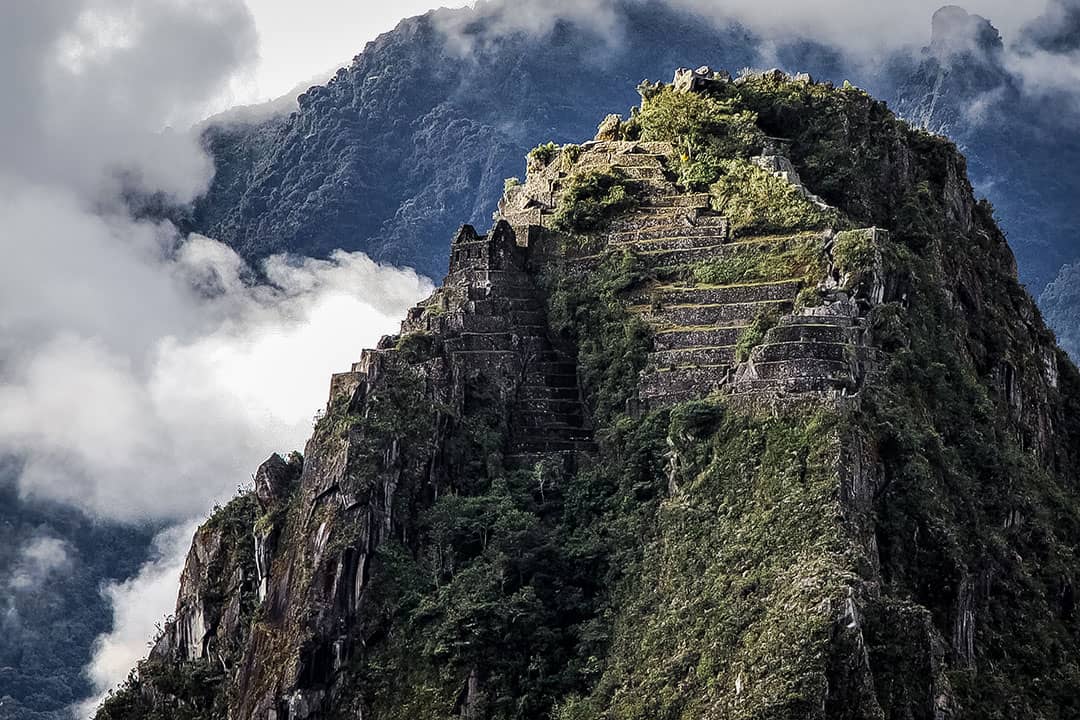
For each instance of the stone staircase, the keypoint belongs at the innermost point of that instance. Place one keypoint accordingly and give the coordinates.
(491, 320)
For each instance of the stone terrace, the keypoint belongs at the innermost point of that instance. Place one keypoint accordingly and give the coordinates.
(697, 326)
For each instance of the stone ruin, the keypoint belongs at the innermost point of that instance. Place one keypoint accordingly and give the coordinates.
(490, 314)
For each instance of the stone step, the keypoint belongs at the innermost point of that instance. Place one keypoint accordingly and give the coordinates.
(697, 381)
(773, 352)
(590, 160)
(637, 228)
(674, 398)
(538, 392)
(672, 215)
(646, 188)
(793, 385)
(800, 368)
(722, 314)
(668, 218)
(531, 419)
(520, 322)
(692, 200)
(552, 380)
(462, 322)
(533, 446)
(555, 433)
(688, 357)
(556, 367)
(641, 172)
(549, 405)
(483, 341)
(501, 288)
(671, 243)
(717, 294)
(498, 306)
(511, 283)
(683, 256)
(790, 333)
(701, 336)
(833, 320)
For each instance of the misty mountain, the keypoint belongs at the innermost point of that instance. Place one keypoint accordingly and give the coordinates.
(421, 130)
(418, 134)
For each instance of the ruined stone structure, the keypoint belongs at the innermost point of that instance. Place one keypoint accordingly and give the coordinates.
(697, 326)
(489, 319)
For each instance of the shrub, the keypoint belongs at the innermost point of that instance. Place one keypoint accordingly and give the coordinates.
(809, 297)
(854, 252)
(755, 333)
(543, 155)
(798, 257)
(704, 131)
(416, 347)
(590, 202)
(757, 202)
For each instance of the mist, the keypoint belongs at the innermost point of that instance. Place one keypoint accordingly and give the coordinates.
(145, 374)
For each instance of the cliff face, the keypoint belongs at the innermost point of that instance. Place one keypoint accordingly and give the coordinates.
(738, 411)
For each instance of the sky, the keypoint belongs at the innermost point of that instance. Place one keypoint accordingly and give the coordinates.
(143, 374)
(300, 42)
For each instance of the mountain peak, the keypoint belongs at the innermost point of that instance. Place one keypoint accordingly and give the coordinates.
(958, 32)
(740, 400)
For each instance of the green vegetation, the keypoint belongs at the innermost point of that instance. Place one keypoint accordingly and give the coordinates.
(727, 614)
(757, 202)
(511, 183)
(705, 131)
(809, 297)
(854, 252)
(591, 201)
(796, 560)
(755, 333)
(416, 347)
(168, 691)
(753, 262)
(570, 155)
(543, 155)
(165, 689)
(613, 344)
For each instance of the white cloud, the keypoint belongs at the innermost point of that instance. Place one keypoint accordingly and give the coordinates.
(144, 375)
(38, 558)
(167, 410)
(139, 606)
(864, 27)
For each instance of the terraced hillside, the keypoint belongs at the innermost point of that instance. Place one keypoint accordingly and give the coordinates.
(729, 312)
(676, 439)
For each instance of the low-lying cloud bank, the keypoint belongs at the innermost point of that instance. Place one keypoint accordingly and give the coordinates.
(167, 384)
(139, 606)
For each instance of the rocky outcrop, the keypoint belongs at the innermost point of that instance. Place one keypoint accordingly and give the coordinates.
(661, 464)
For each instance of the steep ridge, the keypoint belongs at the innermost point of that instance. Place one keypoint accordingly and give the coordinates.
(674, 439)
